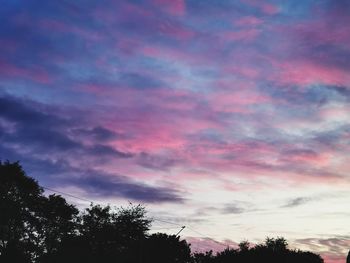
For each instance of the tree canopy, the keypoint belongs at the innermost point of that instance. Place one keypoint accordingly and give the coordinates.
(39, 228)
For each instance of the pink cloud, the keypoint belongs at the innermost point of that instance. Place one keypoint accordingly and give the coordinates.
(58, 26)
(333, 250)
(264, 6)
(237, 100)
(34, 73)
(304, 72)
(145, 20)
(156, 129)
(269, 8)
(258, 159)
(225, 157)
(134, 10)
(173, 7)
(156, 132)
(175, 30)
(249, 72)
(338, 113)
(171, 54)
(334, 23)
(311, 56)
(249, 21)
(309, 157)
(333, 258)
(128, 46)
(241, 35)
(122, 11)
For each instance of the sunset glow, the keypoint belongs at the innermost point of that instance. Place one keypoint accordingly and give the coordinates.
(230, 117)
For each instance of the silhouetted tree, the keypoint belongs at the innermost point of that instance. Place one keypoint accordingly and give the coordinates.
(243, 246)
(272, 251)
(58, 221)
(348, 258)
(33, 224)
(230, 253)
(20, 197)
(163, 248)
(279, 244)
(206, 257)
(107, 235)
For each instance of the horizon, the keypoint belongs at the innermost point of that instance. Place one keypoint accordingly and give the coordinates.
(230, 117)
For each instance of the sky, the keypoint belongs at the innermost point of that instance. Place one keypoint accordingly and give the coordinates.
(231, 117)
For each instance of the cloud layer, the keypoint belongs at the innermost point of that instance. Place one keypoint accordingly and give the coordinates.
(191, 105)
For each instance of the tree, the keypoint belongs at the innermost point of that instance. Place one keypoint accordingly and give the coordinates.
(278, 244)
(107, 235)
(163, 248)
(206, 257)
(272, 251)
(20, 197)
(58, 221)
(33, 224)
(244, 246)
(230, 253)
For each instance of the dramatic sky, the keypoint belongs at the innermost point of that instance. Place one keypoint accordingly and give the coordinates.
(231, 117)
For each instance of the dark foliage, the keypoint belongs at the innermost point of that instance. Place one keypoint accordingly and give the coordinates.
(162, 248)
(272, 251)
(21, 199)
(39, 228)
